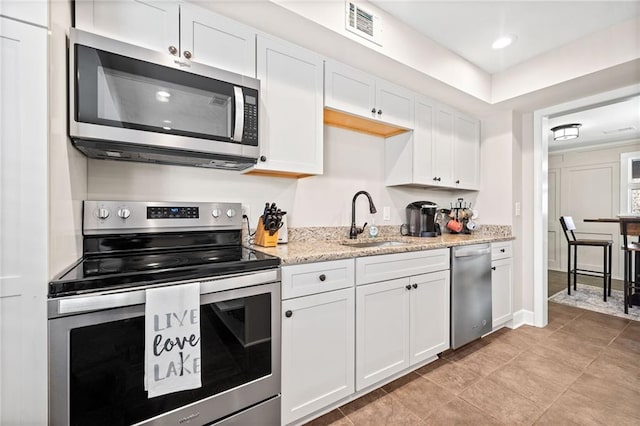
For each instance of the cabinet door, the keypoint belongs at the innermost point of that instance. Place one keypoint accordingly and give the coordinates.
(290, 108)
(394, 104)
(429, 324)
(443, 141)
(317, 352)
(153, 24)
(382, 330)
(350, 90)
(423, 158)
(501, 291)
(466, 155)
(23, 223)
(215, 40)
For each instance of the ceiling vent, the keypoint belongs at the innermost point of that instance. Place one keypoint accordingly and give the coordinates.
(622, 129)
(363, 22)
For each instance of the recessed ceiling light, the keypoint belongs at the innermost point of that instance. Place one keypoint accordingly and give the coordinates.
(163, 96)
(503, 42)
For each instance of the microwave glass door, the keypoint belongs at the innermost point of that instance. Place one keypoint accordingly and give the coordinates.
(118, 91)
(106, 361)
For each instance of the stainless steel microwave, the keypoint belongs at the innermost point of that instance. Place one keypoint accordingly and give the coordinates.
(134, 104)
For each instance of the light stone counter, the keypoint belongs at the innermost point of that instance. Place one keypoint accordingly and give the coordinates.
(313, 249)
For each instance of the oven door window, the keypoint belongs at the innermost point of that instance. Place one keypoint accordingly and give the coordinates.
(107, 362)
(119, 91)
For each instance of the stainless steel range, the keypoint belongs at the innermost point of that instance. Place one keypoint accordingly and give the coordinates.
(97, 309)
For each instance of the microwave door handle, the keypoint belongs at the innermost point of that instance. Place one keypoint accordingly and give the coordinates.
(239, 124)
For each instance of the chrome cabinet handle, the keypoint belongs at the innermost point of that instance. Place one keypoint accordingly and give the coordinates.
(173, 50)
(187, 54)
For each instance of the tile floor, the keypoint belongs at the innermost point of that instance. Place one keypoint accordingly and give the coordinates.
(557, 281)
(582, 369)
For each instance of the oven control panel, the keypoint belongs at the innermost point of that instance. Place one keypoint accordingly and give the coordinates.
(105, 217)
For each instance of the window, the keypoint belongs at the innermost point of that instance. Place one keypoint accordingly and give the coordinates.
(630, 182)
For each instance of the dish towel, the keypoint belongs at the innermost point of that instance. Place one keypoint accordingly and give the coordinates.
(172, 339)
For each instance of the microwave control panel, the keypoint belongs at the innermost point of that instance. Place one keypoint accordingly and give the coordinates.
(250, 133)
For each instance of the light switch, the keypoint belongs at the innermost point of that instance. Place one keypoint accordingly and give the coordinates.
(386, 213)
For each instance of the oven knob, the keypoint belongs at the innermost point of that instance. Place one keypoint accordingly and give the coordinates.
(216, 213)
(124, 213)
(102, 213)
(231, 213)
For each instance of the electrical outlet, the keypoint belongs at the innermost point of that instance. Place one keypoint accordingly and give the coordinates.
(386, 213)
(246, 211)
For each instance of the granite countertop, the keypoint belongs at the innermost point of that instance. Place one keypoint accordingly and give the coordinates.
(315, 251)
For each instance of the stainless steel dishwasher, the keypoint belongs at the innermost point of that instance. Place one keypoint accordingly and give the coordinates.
(470, 293)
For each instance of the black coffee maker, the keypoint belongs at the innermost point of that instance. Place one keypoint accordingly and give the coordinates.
(421, 221)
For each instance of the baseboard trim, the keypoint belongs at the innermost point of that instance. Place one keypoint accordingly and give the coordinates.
(522, 317)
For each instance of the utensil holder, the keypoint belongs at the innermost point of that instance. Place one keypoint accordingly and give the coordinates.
(263, 238)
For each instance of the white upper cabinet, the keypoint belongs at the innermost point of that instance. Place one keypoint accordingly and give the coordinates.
(180, 29)
(466, 152)
(31, 11)
(443, 150)
(357, 93)
(291, 129)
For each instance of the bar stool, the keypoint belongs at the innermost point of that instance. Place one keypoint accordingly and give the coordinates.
(630, 227)
(569, 227)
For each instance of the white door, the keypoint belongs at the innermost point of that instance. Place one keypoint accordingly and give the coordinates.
(215, 40)
(466, 153)
(350, 90)
(556, 238)
(429, 323)
(394, 104)
(23, 223)
(501, 291)
(382, 330)
(443, 145)
(317, 352)
(153, 24)
(291, 125)
(423, 142)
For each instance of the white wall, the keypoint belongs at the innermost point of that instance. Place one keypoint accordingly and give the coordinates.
(353, 161)
(495, 199)
(67, 166)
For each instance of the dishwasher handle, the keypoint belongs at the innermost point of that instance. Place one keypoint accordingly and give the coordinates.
(471, 252)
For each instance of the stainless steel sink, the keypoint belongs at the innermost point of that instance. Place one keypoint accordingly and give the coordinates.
(374, 244)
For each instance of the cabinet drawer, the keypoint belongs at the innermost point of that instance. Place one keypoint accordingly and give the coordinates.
(390, 266)
(501, 250)
(311, 278)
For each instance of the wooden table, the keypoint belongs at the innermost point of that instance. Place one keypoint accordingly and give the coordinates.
(635, 298)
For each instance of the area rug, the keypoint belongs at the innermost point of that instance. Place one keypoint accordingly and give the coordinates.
(590, 298)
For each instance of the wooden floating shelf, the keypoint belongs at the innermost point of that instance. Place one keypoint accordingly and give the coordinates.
(359, 124)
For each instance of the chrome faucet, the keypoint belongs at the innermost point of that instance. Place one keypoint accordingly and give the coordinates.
(354, 231)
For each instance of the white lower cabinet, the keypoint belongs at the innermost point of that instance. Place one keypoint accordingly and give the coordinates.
(317, 352)
(400, 322)
(501, 283)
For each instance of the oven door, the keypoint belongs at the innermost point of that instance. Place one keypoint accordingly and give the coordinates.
(97, 359)
(123, 93)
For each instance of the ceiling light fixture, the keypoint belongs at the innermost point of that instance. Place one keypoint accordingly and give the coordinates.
(565, 132)
(503, 42)
(163, 96)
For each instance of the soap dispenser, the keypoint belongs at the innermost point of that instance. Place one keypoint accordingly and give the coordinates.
(373, 229)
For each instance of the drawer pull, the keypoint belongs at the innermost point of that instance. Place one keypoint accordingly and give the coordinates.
(415, 286)
(288, 314)
(502, 250)
(493, 268)
(408, 287)
(322, 277)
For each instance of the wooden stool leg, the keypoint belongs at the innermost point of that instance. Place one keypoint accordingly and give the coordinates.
(575, 267)
(604, 272)
(569, 270)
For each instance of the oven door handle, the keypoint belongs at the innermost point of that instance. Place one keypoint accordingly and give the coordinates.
(95, 302)
(238, 129)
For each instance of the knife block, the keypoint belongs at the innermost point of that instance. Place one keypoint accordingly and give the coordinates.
(263, 238)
